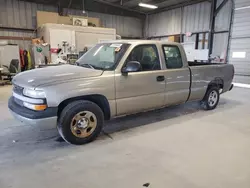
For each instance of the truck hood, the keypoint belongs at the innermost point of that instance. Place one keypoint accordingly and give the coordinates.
(55, 74)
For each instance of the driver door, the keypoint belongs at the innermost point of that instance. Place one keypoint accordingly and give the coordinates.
(142, 90)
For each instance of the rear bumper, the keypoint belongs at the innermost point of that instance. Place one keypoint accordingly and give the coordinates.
(46, 118)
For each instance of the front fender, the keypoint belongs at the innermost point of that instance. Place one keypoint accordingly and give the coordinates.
(99, 86)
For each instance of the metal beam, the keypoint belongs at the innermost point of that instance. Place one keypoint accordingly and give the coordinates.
(229, 32)
(17, 28)
(121, 2)
(223, 31)
(211, 27)
(178, 34)
(220, 7)
(15, 38)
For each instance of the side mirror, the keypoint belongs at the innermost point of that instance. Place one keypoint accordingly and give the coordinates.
(132, 66)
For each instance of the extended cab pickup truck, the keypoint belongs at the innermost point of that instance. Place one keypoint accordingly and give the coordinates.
(114, 79)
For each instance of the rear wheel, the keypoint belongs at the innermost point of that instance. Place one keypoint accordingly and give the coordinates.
(80, 122)
(211, 99)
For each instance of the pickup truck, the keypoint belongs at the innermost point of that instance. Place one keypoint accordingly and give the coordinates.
(114, 79)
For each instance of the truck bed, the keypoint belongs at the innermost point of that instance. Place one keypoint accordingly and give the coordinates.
(203, 73)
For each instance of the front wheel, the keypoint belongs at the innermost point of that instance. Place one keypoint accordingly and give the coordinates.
(80, 122)
(211, 99)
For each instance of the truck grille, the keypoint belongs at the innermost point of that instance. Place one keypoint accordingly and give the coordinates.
(19, 102)
(18, 90)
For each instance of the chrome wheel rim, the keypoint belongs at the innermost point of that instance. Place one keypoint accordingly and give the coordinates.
(213, 98)
(83, 124)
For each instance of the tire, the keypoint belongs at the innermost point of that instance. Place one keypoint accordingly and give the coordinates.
(75, 120)
(211, 99)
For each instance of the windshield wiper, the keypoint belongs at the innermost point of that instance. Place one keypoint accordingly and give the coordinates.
(87, 65)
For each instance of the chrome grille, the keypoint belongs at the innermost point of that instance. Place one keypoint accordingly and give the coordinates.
(18, 90)
(18, 101)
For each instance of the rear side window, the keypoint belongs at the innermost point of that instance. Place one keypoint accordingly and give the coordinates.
(172, 56)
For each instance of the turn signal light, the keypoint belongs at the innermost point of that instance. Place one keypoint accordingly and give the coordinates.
(37, 107)
(40, 107)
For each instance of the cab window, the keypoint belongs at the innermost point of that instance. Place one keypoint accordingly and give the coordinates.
(172, 56)
(147, 56)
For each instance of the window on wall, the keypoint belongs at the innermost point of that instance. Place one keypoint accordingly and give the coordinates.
(172, 56)
(147, 55)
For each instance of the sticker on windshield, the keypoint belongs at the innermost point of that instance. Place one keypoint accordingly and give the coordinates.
(117, 49)
(115, 45)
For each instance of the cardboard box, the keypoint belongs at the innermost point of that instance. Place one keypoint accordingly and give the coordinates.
(66, 20)
(92, 21)
(174, 38)
(46, 17)
(95, 21)
(53, 17)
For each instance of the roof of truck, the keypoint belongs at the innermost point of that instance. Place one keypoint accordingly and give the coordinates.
(143, 42)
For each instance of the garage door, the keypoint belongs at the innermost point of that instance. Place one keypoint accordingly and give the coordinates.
(240, 39)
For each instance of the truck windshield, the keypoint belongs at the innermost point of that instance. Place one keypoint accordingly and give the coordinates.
(103, 56)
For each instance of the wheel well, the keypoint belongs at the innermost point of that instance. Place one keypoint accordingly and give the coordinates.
(100, 100)
(216, 82)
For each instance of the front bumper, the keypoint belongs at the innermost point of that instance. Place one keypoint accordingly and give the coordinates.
(46, 118)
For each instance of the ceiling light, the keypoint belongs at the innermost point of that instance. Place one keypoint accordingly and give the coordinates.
(148, 6)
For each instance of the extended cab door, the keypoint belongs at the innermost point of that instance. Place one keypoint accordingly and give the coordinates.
(142, 90)
(177, 75)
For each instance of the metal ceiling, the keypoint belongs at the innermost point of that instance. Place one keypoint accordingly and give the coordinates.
(119, 7)
(162, 4)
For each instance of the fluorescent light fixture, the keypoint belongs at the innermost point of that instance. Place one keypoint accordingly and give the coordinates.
(148, 6)
(240, 8)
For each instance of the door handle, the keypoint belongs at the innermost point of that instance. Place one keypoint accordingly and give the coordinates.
(160, 78)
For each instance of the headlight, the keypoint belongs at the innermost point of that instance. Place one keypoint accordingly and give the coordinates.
(34, 93)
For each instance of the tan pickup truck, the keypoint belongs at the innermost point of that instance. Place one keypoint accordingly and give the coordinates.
(114, 79)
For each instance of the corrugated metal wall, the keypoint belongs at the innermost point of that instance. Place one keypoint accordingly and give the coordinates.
(240, 39)
(20, 14)
(24, 44)
(125, 26)
(192, 18)
(164, 23)
(222, 23)
(222, 20)
(196, 17)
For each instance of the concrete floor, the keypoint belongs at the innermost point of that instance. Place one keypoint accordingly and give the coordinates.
(242, 79)
(177, 147)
